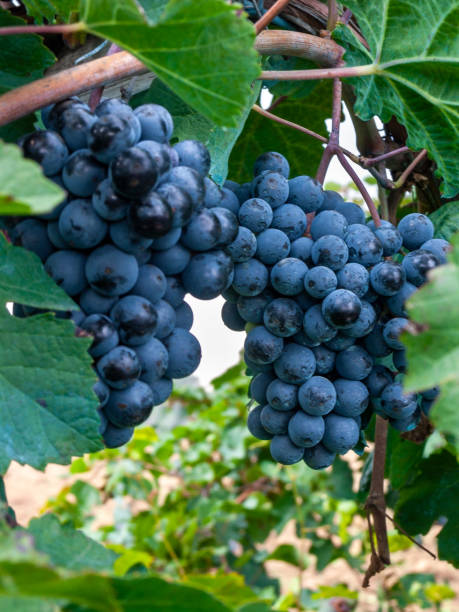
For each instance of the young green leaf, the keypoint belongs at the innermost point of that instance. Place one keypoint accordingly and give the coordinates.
(190, 124)
(24, 280)
(202, 51)
(50, 9)
(24, 190)
(433, 354)
(414, 48)
(47, 406)
(261, 134)
(446, 220)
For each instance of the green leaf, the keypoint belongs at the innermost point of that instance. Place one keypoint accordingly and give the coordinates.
(23, 59)
(261, 134)
(403, 458)
(228, 588)
(68, 547)
(433, 354)
(203, 52)
(287, 553)
(24, 190)
(190, 124)
(253, 607)
(153, 10)
(49, 10)
(432, 494)
(446, 220)
(24, 280)
(47, 406)
(415, 51)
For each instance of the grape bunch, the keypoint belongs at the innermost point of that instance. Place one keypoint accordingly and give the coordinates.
(323, 313)
(141, 226)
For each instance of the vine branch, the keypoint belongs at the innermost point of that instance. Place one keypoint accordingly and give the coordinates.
(42, 29)
(376, 505)
(402, 178)
(317, 73)
(361, 187)
(270, 14)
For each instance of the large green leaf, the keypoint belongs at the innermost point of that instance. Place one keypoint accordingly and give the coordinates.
(67, 547)
(202, 51)
(446, 220)
(414, 47)
(190, 124)
(261, 134)
(433, 354)
(153, 9)
(47, 406)
(24, 189)
(23, 59)
(50, 9)
(24, 280)
(431, 495)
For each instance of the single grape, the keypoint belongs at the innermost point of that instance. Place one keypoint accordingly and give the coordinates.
(229, 201)
(243, 246)
(374, 342)
(194, 154)
(254, 424)
(168, 240)
(228, 223)
(107, 203)
(136, 318)
(102, 392)
(273, 162)
(151, 283)
(392, 330)
(251, 308)
(330, 251)
(287, 276)
(316, 327)
(387, 278)
(109, 135)
(162, 389)
(130, 407)
(305, 430)
(325, 359)
(301, 248)
(306, 193)
(317, 396)
(320, 281)
(207, 274)
(119, 368)
(172, 261)
(262, 347)
(352, 397)
(417, 264)
(258, 388)
(377, 380)
(116, 106)
(284, 451)
(156, 122)
(290, 219)
(408, 423)
(390, 239)
(318, 457)
(296, 364)
(110, 271)
(341, 308)
(395, 403)
(331, 199)
(74, 124)
(190, 181)
(179, 201)
(272, 246)
(354, 363)
(275, 421)
(339, 342)
(212, 193)
(396, 303)
(341, 433)
(439, 247)
(355, 278)
(175, 291)
(153, 358)
(34, 236)
(80, 226)
(46, 148)
(184, 316)
(283, 317)
(133, 172)
(255, 214)
(114, 437)
(250, 277)
(203, 232)
(415, 229)
(184, 353)
(399, 359)
(364, 247)
(328, 222)
(124, 237)
(280, 395)
(272, 187)
(151, 217)
(104, 333)
(353, 213)
(67, 269)
(93, 302)
(364, 323)
(82, 173)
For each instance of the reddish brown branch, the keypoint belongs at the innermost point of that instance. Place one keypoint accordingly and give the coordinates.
(407, 535)
(332, 15)
(405, 174)
(333, 143)
(361, 187)
(282, 42)
(270, 14)
(317, 73)
(376, 505)
(287, 123)
(42, 29)
(371, 161)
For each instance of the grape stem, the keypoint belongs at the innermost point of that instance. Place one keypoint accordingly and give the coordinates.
(42, 29)
(375, 505)
(332, 147)
(405, 174)
(366, 162)
(318, 73)
(270, 14)
(96, 94)
(361, 187)
(332, 19)
(407, 535)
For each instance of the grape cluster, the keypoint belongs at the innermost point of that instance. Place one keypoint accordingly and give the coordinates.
(141, 226)
(323, 314)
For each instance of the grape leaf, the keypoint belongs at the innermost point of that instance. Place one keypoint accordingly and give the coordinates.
(190, 124)
(50, 9)
(24, 190)
(432, 494)
(261, 134)
(202, 51)
(446, 220)
(24, 280)
(414, 49)
(47, 406)
(153, 10)
(433, 354)
(68, 547)
(23, 59)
